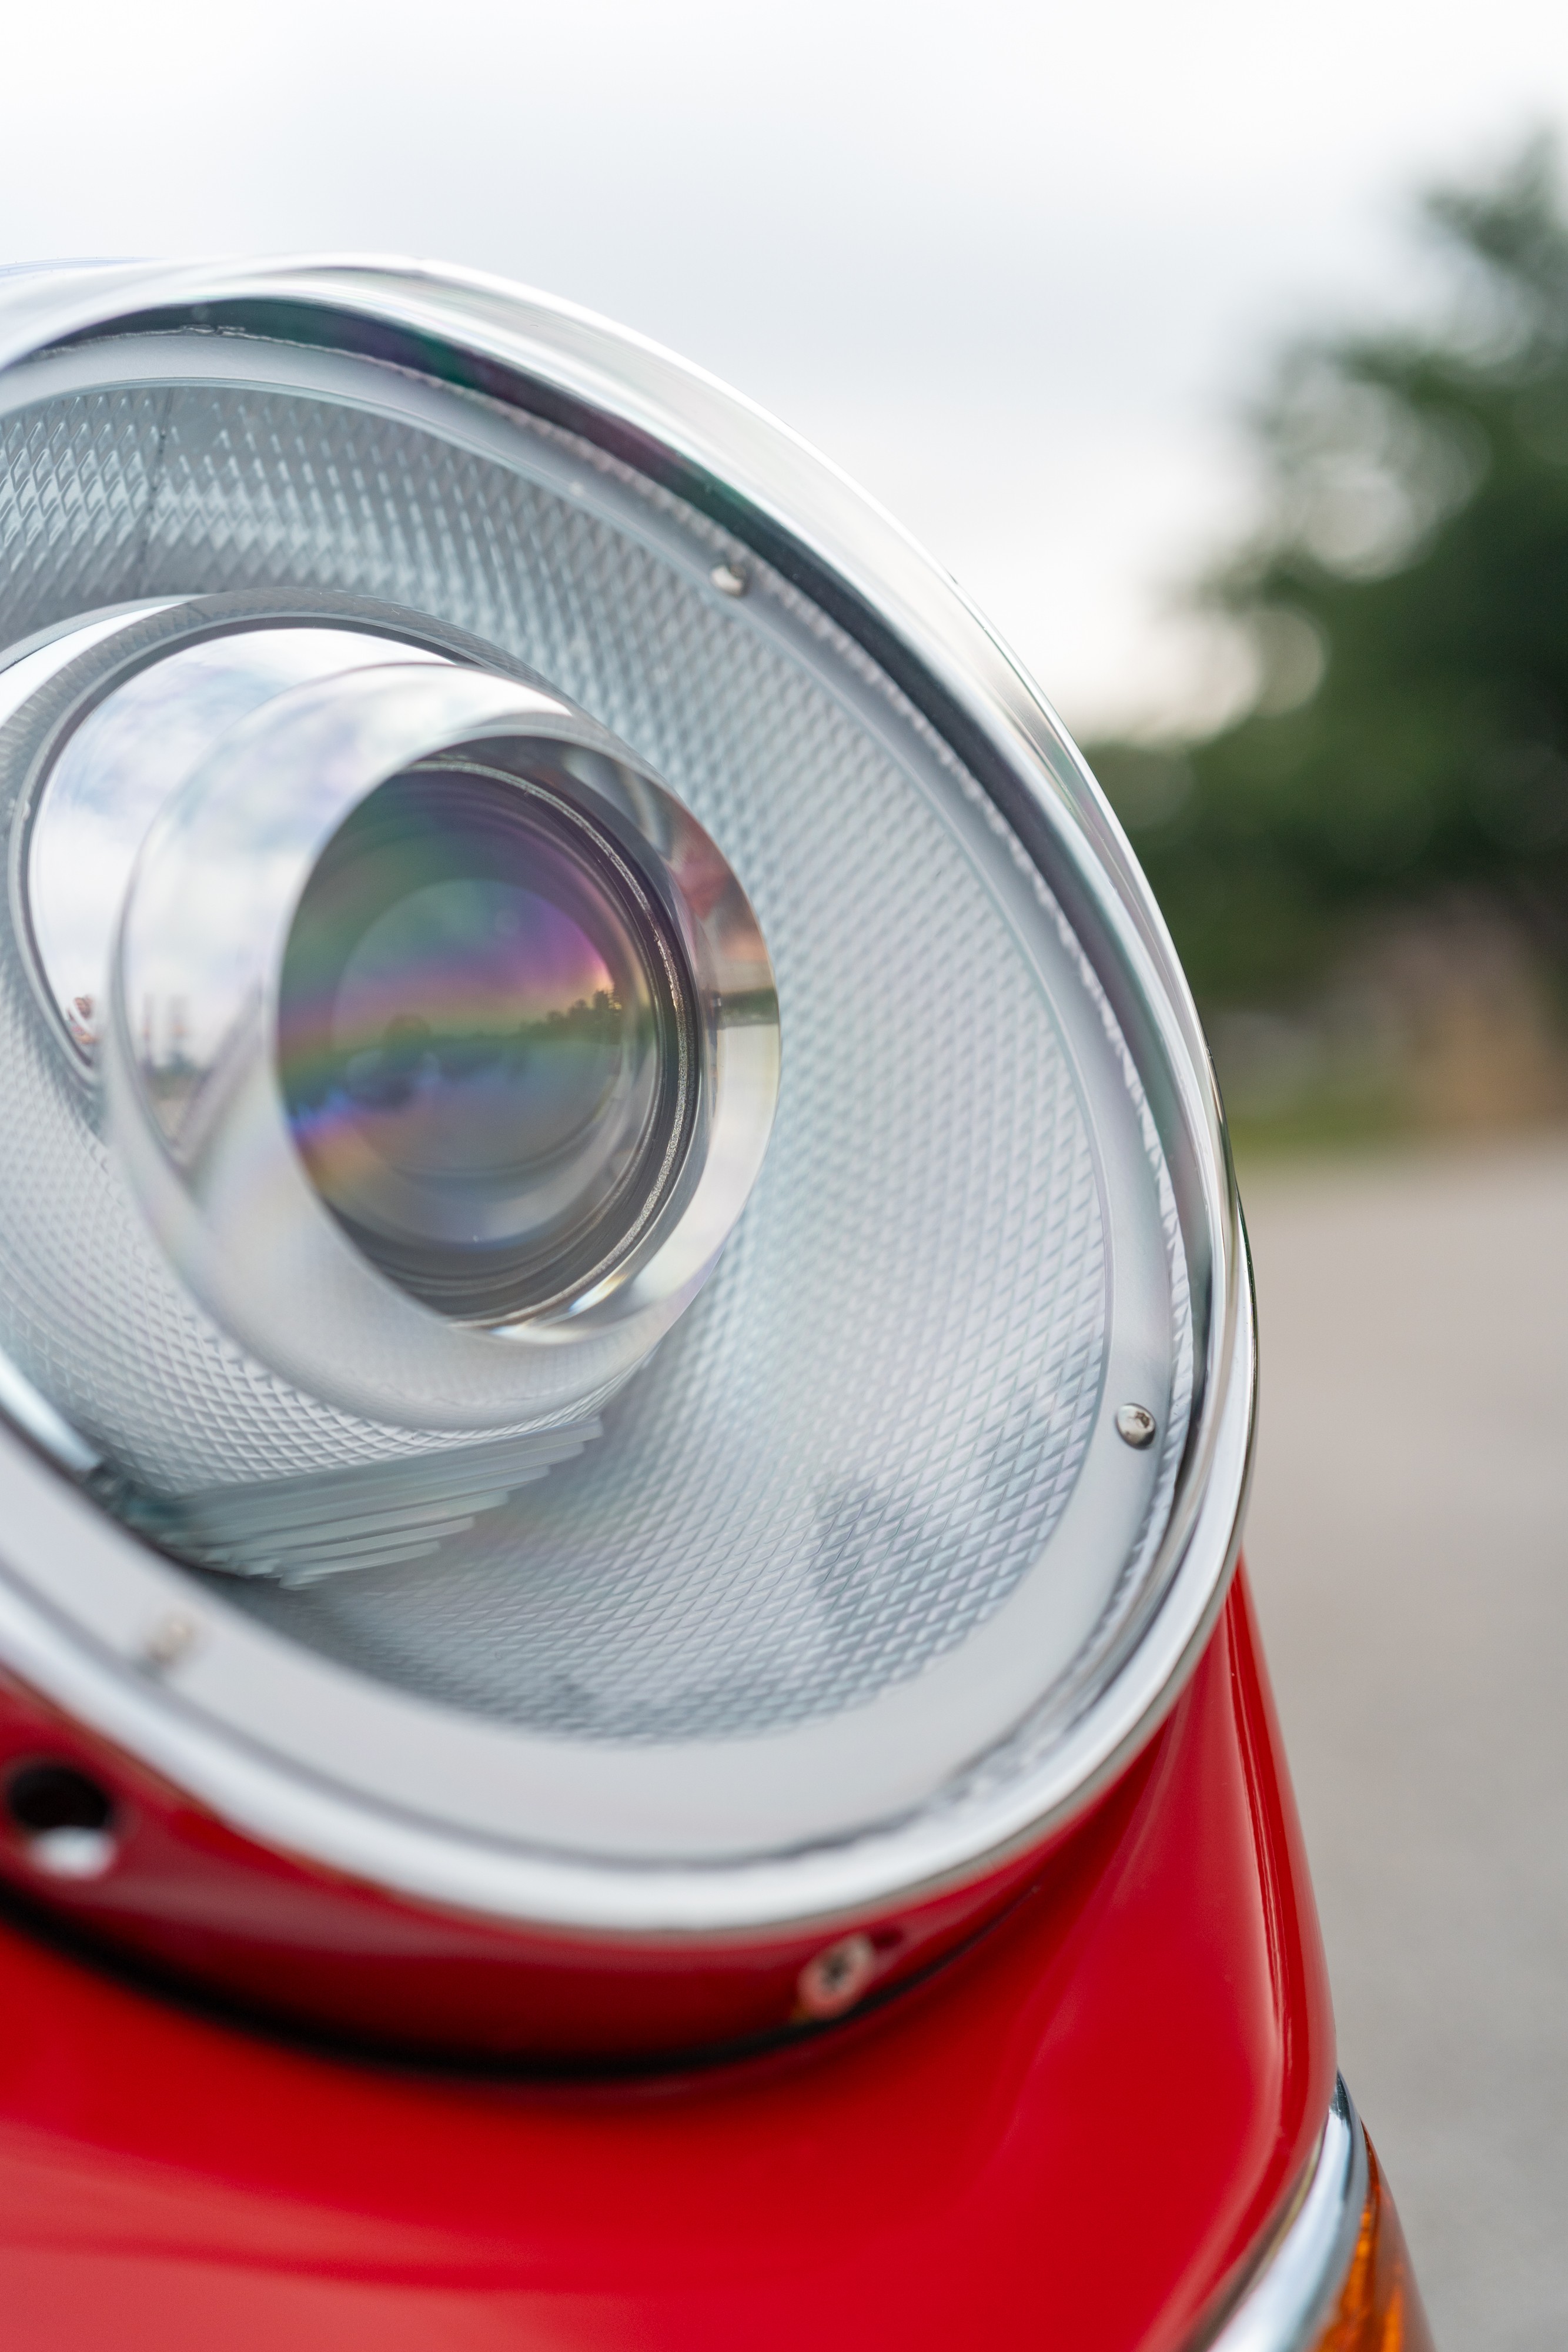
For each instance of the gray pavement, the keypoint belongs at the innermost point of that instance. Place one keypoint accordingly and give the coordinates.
(1408, 1544)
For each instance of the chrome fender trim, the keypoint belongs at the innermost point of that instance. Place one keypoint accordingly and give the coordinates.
(1291, 2299)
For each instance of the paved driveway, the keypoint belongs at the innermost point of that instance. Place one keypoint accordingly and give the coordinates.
(1408, 1541)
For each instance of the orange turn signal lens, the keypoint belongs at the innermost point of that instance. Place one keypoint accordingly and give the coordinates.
(1379, 2308)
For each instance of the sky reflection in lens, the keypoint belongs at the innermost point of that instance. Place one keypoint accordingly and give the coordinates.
(477, 1042)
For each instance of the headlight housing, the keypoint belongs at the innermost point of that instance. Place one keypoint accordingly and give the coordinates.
(696, 1560)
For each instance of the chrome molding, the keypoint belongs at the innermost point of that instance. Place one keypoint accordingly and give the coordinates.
(1292, 2298)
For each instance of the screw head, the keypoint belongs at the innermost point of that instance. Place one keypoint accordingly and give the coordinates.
(729, 579)
(63, 1818)
(1135, 1426)
(169, 1640)
(835, 1979)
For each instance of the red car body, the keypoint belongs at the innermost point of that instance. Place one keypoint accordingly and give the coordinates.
(1078, 2131)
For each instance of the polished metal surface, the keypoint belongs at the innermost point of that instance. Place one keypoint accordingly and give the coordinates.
(1293, 2299)
(167, 851)
(832, 1981)
(123, 760)
(371, 1515)
(861, 1588)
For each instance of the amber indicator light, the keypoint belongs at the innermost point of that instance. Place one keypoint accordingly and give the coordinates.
(1379, 2307)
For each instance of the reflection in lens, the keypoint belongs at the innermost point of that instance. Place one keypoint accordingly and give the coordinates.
(485, 1042)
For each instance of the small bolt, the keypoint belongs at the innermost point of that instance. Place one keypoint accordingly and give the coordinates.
(729, 579)
(835, 1979)
(171, 1639)
(1135, 1424)
(64, 1819)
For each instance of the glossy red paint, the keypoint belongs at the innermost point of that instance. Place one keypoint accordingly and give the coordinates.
(1071, 2135)
(203, 1905)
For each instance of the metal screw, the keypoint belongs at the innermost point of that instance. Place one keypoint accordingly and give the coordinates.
(171, 1639)
(64, 1817)
(1135, 1424)
(835, 1979)
(729, 579)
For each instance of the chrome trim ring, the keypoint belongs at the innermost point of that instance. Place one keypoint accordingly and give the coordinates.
(380, 1813)
(232, 1200)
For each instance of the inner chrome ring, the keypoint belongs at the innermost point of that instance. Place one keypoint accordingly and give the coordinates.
(487, 1041)
(436, 1039)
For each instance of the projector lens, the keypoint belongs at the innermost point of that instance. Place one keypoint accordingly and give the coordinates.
(435, 1036)
(485, 1041)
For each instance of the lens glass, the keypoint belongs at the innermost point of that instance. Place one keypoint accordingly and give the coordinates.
(485, 1042)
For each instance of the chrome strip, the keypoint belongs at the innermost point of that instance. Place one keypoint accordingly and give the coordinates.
(1292, 2300)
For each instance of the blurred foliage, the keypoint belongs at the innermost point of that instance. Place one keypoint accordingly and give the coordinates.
(1407, 606)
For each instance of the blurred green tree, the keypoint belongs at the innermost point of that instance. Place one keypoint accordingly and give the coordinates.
(1406, 601)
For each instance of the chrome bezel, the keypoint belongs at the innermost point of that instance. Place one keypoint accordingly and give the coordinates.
(233, 1202)
(81, 1633)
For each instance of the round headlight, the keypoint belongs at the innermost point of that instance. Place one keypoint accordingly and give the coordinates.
(472, 782)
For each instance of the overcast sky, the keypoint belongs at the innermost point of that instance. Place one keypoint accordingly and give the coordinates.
(1014, 266)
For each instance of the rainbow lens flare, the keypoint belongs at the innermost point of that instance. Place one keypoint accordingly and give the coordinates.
(485, 1042)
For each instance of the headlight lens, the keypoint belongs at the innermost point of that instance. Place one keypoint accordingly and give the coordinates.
(486, 1042)
(499, 743)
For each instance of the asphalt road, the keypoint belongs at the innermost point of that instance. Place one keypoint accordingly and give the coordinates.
(1408, 1544)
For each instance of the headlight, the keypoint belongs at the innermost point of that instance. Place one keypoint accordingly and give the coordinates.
(470, 779)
